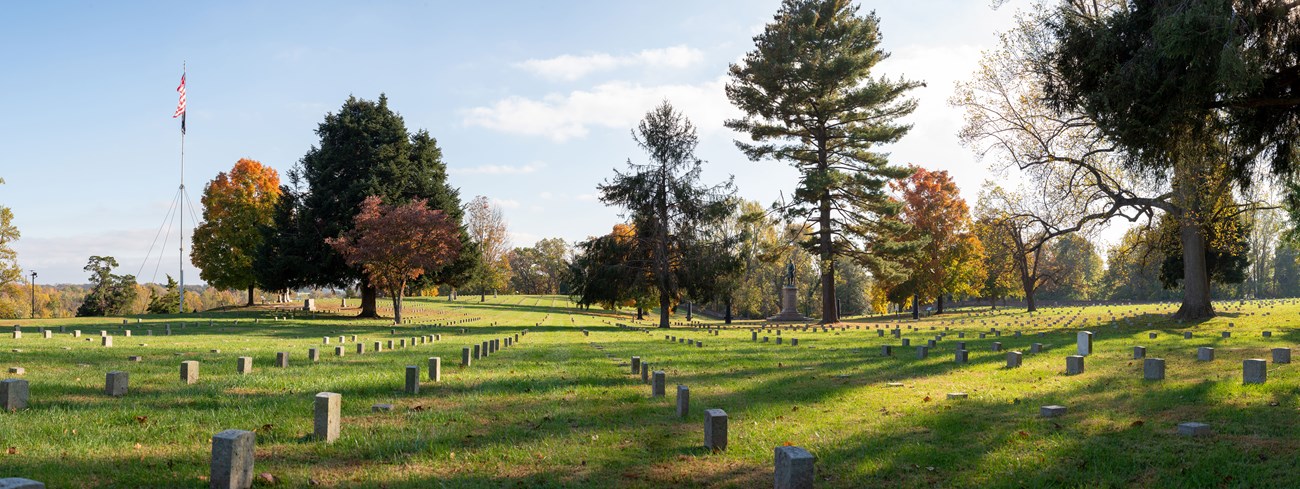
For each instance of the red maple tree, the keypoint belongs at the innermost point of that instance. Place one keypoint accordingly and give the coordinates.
(394, 244)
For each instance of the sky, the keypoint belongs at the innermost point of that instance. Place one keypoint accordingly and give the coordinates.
(532, 103)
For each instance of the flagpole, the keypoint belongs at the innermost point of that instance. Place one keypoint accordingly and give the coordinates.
(180, 259)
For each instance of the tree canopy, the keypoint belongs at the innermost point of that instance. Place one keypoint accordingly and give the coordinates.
(810, 99)
(395, 244)
(364, 150)
(669, 207)
(236, 207)
(110, 294)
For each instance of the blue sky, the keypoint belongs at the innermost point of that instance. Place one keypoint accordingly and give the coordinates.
(531, 102)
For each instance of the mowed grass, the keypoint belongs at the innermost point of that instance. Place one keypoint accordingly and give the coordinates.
(561, 409)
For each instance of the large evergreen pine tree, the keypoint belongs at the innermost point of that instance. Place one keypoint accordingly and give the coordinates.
(364, 150)
(810, 99)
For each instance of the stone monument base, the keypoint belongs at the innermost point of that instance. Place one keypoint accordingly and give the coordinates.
(789, 307)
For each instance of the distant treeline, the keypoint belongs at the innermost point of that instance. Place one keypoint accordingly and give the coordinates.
(62, 300)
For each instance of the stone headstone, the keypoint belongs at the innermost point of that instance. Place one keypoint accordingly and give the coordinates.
(190, 371)
(1205, 354)
(1013, 359)
(1281, 355)
(1254, 371)
(683, 401)
(1193, 429)
(657, 384)
(412, 379)
(922, 352)
(106, 341)
(963, 356)
(464, 357)
(20, 483)
(327, 417)
(715, 429)
(997, 346)
(1074, 365)
(1084, 341)
(115, 383)
(795, 468)
(1051, 411)
(435, 369)
(13, 394)
(244, 365)
(1139, 352)
(232, 460)
(1153, 369)
(636, 365)
(313, 355)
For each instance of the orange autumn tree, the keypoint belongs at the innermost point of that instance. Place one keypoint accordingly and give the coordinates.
(952, 260)
(394, 245)
(235, 206)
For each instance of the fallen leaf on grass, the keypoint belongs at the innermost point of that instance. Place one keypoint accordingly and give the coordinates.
(266, 476)
(142, 419)
(927, 399)
(1023, 434)
(1137, 424)
(13, 450)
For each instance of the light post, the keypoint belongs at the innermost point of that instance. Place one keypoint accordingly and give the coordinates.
(33, 294)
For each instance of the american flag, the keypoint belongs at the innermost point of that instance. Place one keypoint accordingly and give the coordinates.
(180, 106)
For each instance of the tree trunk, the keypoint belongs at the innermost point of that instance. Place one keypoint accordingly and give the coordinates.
(688, 311)
(916, 306)
(1196, 279)
(640, 314)
(938, 305)
(250, 296)
(369, 308)
(665, 303)
(397, 308)
(726, 318)
(829, 314)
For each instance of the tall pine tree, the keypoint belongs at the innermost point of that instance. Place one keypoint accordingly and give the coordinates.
(810, 99)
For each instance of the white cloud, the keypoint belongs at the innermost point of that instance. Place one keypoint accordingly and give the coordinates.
(499, 169)
(506, 203)
(569, 67)
(545, 195)
(619, 104)
(522, 239)
(586, 197)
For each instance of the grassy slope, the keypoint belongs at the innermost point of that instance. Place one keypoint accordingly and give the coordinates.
(562, 410)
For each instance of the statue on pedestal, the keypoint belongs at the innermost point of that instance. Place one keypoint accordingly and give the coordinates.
(789, 299)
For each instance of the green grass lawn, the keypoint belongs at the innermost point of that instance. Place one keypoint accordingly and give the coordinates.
(561, 409)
